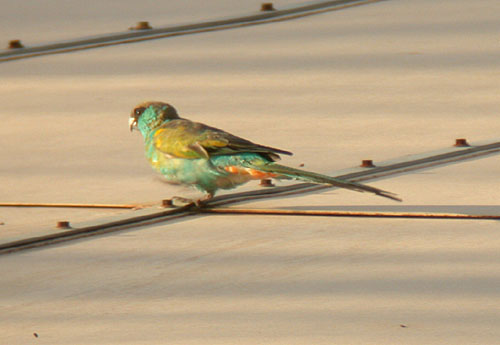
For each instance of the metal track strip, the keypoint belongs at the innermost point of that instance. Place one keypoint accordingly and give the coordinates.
(97, 229)
(408, 164)
(314, 213)
(171, 31)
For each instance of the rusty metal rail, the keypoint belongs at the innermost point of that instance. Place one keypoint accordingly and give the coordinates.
(398, 167)
(71, 205)
(315, 213)
(264, 17)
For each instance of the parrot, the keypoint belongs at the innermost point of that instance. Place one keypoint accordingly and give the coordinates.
(207, 158)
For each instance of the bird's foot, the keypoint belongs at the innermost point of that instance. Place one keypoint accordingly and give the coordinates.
(179, 201)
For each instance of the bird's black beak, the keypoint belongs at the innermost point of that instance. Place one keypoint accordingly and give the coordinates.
(132, 122)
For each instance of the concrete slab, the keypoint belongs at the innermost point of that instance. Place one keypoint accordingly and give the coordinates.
(374, 82)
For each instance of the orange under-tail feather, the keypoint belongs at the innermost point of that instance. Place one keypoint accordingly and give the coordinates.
(254, 173)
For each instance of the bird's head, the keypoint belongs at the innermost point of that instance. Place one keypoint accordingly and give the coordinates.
(149, 115)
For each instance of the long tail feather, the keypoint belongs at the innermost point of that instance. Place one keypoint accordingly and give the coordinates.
(309, 176)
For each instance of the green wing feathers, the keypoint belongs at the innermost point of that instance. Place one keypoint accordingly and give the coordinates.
(192, 140)
(323, 179)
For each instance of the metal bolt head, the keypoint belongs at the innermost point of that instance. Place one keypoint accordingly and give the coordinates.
(167, 203)
(141, 26)
(367, 163)
(15, 44)
(63, 224)
(461, 142)
(266, 182)
(267, 6)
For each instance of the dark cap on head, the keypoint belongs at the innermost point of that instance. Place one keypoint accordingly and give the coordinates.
(162, 112)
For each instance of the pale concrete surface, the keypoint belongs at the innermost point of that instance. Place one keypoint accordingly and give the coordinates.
(273, 280)
(35, 22)
(373, 82)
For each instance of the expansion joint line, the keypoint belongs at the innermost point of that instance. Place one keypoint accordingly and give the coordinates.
(172, 31)
(214, 205)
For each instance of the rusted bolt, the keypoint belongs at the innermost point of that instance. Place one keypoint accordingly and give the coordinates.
(267, 6)
(35, 335)
(461, 142)
(141, 26)
(367, 163)
(266, 182)
(63, 224)
(301, 165)
(167, 203)
(15, 44)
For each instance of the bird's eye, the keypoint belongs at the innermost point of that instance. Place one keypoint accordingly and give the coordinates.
(139, 111)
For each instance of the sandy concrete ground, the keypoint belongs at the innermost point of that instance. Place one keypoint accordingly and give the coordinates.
(377, 81)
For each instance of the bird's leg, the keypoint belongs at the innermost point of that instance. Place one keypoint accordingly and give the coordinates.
(208, 196)
(201, 201)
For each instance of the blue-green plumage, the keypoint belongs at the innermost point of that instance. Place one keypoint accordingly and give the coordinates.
(207, 158)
